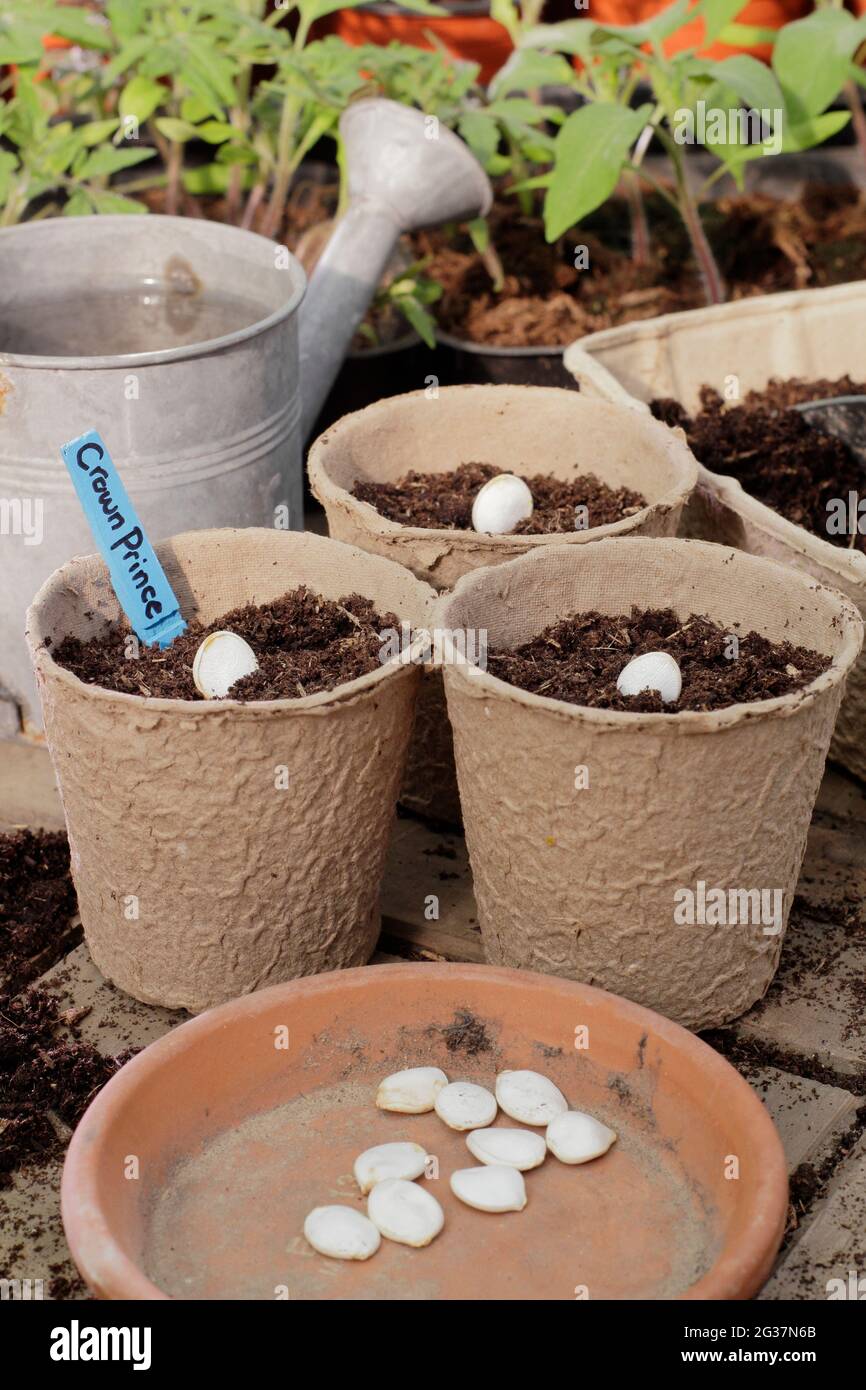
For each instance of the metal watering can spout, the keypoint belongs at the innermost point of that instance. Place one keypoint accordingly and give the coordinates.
(405, 171)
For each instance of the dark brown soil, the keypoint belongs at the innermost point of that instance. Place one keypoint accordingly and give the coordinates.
(579, 659)
(779, 458)
(443, 501)
(762, 245)
(47, 1080)
(304, 644)
(467, 1034)
(780, 393)
(37, 905)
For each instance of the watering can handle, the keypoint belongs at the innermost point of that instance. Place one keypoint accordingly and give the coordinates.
(339, 294)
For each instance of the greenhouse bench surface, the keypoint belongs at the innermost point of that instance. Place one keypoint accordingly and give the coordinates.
(803, 1047)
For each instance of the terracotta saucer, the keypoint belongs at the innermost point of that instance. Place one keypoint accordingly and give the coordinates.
(191, 1173)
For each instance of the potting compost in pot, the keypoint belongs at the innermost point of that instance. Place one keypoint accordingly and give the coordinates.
(445, 881)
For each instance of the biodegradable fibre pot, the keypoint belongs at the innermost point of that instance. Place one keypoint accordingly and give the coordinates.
(807, 333)
(591, 831)
(655, 1218)
(219, 846)
(528, 429)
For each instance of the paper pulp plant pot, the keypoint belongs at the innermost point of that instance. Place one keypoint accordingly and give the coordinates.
(584, 882)
(218, 846)
(527, 429)
(807, 333)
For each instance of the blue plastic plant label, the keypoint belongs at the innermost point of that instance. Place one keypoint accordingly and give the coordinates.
(145, 594)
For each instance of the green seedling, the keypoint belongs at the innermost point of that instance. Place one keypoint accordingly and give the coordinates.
(606, 139)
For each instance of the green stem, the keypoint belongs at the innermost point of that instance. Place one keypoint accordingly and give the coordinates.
(283, 168)
(640, 241)
(714, 285)
(240, 119)
(174, 170)
(343, 193)
(660, 189)
(858, 120)
(171, 154)
(16, 204)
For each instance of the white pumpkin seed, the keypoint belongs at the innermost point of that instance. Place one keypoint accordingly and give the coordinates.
(405, 1212)
(463, 1105)
(399, 1160)
(411, 1092)
(511, 1148)
(529, 1097)
(342, 1233)
(501, 504)
(654, 671)
(576, 1138)
(221, 659)
(493, 1188)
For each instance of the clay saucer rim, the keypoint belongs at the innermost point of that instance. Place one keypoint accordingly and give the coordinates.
(739, 1271)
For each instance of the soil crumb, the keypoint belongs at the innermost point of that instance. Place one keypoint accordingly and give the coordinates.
(579, 659)
(443, 501)
(777, 456)
(304, 644)
(467, 1034)
(37, 905)
(48, 1077)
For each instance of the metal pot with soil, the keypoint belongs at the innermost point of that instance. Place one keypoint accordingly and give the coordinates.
(648, 842)
(560, 442)
(231, 842)
(464, 362)
(805, 335)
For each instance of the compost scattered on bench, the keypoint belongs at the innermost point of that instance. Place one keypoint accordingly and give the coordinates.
(580, 658)
(770, 448)
(37, 905)
(304, 644)
(47, 1080)
(443, 501)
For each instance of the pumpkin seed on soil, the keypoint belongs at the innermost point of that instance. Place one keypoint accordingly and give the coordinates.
(443, 501)
(777, 456)
(579, 658)
(304, 644)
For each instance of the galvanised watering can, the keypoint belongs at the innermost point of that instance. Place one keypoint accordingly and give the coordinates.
(199, 353)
